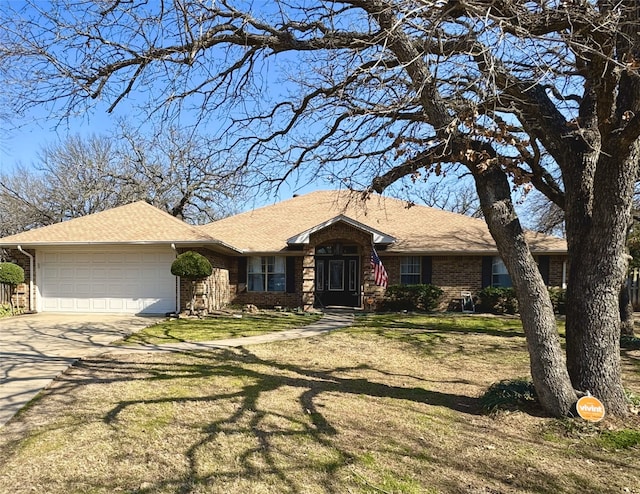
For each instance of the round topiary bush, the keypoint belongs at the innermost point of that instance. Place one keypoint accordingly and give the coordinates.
(191, 265)
(11, 274)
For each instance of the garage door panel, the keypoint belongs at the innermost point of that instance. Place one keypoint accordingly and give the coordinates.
(131, 275)
(66, 289)
(82, 273)
(68, 258)
(83, 289)
(133, 258)
(124, 281)
(116, 304)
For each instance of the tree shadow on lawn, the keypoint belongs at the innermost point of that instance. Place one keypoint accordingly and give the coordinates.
(262, 439)
(428, 339)
(257, 378)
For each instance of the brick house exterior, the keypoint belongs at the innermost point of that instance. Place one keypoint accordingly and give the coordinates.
(307, 252)
(311, 231)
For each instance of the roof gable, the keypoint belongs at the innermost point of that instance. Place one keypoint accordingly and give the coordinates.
(378, 236)
(413, 230)
(137, 222)
(416, 229)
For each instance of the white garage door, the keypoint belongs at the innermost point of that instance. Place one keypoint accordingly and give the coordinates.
(136, 280)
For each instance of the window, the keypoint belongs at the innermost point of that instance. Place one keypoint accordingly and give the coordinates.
(499, 274)
(410, 270)
(320, 275)
(337, 250)
(336, 275)
(266, 274)
(353, 275)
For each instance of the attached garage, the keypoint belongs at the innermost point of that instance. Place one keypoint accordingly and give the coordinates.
(134, 280)
(117, 261)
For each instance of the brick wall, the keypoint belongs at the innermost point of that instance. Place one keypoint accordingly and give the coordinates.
(239, 295)
(454, 274)
(21, 294)
(212, 293)
(556, 264)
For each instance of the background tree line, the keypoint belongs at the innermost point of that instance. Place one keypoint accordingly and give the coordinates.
(177, 171)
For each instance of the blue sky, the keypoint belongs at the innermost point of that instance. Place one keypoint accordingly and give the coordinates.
(22, 140)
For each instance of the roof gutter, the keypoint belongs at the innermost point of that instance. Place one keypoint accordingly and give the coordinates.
(30, 276)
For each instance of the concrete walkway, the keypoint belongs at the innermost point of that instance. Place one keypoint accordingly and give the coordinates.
(35, 349)
(331, 320)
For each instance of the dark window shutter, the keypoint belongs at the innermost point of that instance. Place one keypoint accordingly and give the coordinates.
(487, 267)
(291, 275)
(426, 267)
(242, 269)
(543, 266)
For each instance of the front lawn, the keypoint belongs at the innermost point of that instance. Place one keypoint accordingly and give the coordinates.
(219, 327)
(388, 406)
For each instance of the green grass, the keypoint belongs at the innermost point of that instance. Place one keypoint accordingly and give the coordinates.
(622, 439)
(395, 325)
(390, 405)
(219, 327)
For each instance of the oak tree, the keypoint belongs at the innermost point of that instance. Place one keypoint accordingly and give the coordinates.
(373, 91)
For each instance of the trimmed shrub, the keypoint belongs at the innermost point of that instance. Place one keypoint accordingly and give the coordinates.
(508, 394)
(497, 300)
(423, 297)
(11, 274)
(191, 265)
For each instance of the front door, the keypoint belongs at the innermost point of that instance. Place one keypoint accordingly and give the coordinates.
(338, 281)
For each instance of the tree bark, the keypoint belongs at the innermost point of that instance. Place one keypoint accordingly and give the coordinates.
(596, 236)
(547, 363)
(626, 312)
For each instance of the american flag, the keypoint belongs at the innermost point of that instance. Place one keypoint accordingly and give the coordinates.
(379, 273)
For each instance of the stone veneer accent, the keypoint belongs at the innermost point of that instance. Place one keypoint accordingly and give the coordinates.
(21, 295)
(212, 293)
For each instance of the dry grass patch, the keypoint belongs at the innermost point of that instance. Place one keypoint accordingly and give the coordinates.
(384, 407)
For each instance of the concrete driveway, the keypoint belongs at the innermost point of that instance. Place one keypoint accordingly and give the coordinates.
(36, 348)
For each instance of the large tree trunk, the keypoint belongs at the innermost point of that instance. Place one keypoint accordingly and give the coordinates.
(548, 368)
(596, 236)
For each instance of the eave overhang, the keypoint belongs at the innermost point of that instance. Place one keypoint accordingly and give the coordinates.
(379, 238)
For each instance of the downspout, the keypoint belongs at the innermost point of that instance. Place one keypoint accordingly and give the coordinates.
(30, 276)
(173, 246)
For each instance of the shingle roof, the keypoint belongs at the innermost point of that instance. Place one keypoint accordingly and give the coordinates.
(417, 229)
(137, 222)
